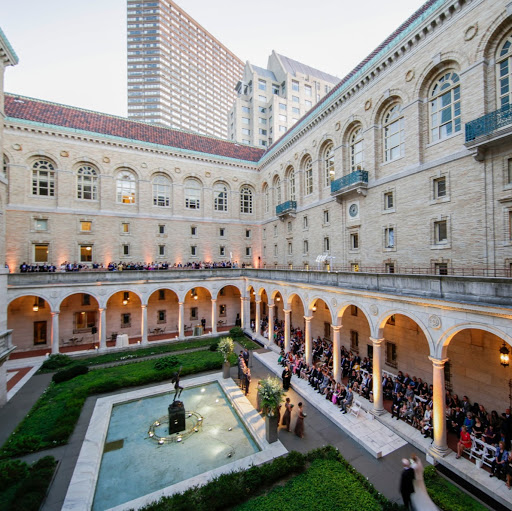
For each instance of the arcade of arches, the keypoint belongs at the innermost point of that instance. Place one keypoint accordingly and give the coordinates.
(453, 349)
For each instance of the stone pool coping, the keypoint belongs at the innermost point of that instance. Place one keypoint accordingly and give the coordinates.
(80, 494)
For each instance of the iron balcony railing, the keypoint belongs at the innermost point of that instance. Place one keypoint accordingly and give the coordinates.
(354, 178)
(286, 207)
(488, 123)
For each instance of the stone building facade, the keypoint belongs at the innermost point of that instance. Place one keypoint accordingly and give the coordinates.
(400, 177)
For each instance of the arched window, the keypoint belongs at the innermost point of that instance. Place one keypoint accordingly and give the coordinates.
(192, 194)
(126, 187)
(87, 183)
(246, 200)
(394, 137)
(161, 191)
(308, 176)
(291, 183)
(356, 149)
(328, 165)
(504, 72)
(220, 197)
(43, 178)
(5, 165)
(266, 198)
(277, 188)
(445, 106)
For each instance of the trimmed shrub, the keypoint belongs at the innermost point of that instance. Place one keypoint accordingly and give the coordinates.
(214, 346)
(166, 363)
(56, 362)
(69, 374)
(12, 472)
(236, 332)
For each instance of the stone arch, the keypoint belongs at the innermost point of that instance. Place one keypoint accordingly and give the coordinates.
(435, 70)
(125, 167)
(67, 294)
(491, 38)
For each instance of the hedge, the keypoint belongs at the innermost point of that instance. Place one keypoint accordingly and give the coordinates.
(52, 419)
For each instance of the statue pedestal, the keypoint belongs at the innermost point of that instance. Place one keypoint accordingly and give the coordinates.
(176, 417)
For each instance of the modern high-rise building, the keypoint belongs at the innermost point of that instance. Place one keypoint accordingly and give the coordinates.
(271, 100)
(179, 75)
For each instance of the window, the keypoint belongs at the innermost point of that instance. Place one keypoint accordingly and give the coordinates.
(248, 251)
(87, 183)
(246, 120)
(84, 321)
(161, 317)
(125, 187)
(441, 232)
(295, 99)
(194, 313)
(388, 201)
(295, 86)
(353, 310)
(161, 250)
(161, 294)
(291, 183)
(41, 224)
(441, 268)
(261, 131)
(41, 253)
(327, 244)
(326, 216)
(504, 72)
(389, 237)
(262, 85)
(266, 198)
(125, 250)
(275, 88)
(86, 299)
(126, 320)
(354, 341)
(394, 137)
(283, 118)
(222, 310)
(305, 247)
(263, 99)
(125, 228)
(439, 187)
(222, 251)
(445, 107)
(307, 90)
(193, 231)
(248, 233)
(290, 227)
(193, 251)
(261, 120)
(276, 251)
(356, 149)
(262, 109)
(354, 241)
(282, 129)
(277, 189)
(296, 111)
(222, 232)
(245, 131)
(305, 222)
(246, 110)
(192, 194)
(85, 253)
(308, 104)
(391, 357)
(308, 176)
(290, 248)
(43, 178)
(161, 229)
(354, 267)
(246, 200)
(5, 165)
(275, 231)
(390, 267)
(220, 197)
(328, 165)
(161, 191)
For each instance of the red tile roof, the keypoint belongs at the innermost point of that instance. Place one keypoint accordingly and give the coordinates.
(35, 110)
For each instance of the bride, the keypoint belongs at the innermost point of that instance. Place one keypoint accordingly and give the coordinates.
(420, 500)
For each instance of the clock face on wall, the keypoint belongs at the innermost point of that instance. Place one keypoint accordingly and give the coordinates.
(353, 210)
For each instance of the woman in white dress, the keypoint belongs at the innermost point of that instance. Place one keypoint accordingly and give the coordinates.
(420, 500)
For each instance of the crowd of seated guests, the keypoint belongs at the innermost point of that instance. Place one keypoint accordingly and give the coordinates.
(67, 266)
(412, 398)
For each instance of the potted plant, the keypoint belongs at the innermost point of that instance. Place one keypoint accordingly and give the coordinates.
(226, 347)
(270, 393)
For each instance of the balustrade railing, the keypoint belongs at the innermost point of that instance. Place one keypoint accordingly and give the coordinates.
(286, 207)
(486, 124)
(354, 178)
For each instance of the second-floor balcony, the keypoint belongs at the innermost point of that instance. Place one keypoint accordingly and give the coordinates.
(489, 129)
(357, 180)
(288, 208)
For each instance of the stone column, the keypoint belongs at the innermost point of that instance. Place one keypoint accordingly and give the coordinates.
(144, 324)
(243, 312)
(103, 329)
(287, 330)
(214, 316)
(181, 318)
(54, 334)
(3, 383)
(258, 317)
(378, 396)
(336, 352)
(307, 339)
(270, 324)
(440, 447)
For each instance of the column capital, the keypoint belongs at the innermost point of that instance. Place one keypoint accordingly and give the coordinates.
(377, 342)
(55, 313)
(258, 301)
(214, 299)
(438, 362)
(308, 318)
(336, 328)
(181, 303)
(271, 305)
(143, 305)
(287, 311)
(101, 309)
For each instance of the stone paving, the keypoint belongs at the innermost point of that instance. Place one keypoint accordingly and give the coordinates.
(322, 427)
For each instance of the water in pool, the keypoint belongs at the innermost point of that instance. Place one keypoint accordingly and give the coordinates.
(137, 465)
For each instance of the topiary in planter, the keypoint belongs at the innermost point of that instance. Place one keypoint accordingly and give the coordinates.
(69, 374)
(236, 332)
(56, 362)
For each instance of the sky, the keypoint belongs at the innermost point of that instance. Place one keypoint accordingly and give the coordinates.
(74, 51)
